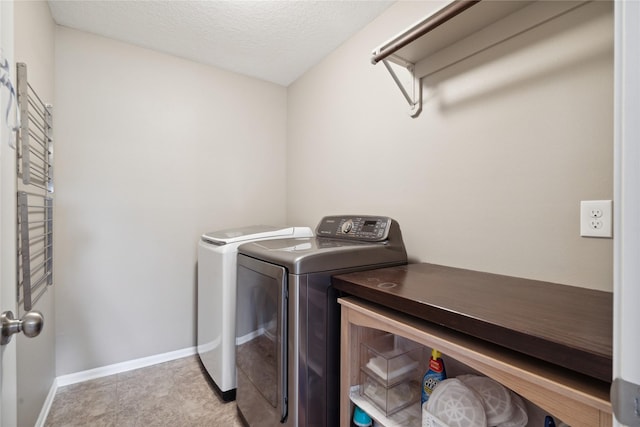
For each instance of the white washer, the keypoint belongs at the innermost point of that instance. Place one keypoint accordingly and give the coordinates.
(217, 252)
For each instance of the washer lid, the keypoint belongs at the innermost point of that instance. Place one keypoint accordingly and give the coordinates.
(314, 255)
(254, 232)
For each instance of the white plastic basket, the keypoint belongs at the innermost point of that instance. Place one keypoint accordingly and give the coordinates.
(430, 420)
(461, 406)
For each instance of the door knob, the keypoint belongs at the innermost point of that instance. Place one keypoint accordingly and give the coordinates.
(31, 324)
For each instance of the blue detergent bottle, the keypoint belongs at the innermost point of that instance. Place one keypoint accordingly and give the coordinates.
(434, 375)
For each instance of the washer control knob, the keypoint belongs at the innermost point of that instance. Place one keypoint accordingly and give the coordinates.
(347, 226)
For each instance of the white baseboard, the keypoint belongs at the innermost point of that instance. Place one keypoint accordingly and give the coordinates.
(104, 371)
(46, 406)
(117, 368)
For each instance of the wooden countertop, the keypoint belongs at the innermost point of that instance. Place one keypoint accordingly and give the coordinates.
(565, 325)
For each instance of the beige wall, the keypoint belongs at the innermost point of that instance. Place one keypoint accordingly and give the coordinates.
(146, 145)
(152, 151)
(34, 45)
(489, 177)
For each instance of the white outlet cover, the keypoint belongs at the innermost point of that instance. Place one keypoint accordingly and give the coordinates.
(596, 218)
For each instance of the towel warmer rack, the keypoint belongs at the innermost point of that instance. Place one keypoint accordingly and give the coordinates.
(35, 190)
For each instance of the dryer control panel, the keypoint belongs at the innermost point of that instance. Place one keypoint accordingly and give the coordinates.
(366, 228)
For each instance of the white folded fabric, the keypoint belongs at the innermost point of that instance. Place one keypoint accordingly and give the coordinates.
(397, 367)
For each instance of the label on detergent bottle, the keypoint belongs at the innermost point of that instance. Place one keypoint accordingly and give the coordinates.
(434, 375)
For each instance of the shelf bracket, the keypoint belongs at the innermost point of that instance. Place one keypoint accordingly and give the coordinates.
(415, 99)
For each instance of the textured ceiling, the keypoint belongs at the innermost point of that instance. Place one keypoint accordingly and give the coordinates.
(272, 40)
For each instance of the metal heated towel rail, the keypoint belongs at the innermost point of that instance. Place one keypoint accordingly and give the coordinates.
(35, 191)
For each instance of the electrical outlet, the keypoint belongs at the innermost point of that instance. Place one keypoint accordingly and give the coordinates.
(596, 218)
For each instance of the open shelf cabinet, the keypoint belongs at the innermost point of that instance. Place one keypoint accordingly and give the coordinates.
(574, 398)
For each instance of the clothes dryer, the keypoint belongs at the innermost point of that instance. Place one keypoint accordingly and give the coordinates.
(288, 342)
(217, 252)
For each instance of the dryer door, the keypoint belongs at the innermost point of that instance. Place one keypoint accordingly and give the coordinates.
(261, 341)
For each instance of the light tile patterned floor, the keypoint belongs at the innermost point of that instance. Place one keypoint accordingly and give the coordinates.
(174, 393)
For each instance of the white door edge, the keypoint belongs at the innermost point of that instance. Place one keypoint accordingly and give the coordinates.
(8, 375)
(626, 288)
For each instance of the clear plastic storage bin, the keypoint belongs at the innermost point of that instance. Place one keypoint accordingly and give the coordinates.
(389, 372)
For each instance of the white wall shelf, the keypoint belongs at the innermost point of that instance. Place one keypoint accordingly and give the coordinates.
(459, 31)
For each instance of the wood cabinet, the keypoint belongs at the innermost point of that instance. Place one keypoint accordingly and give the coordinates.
(577, 399)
